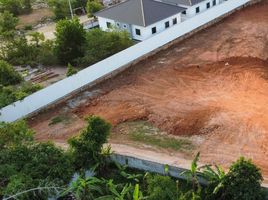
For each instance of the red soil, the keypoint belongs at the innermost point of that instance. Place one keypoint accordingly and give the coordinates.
(215, 84)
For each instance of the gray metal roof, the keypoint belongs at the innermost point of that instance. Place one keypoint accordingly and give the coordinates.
(183, 2)
(140, 12)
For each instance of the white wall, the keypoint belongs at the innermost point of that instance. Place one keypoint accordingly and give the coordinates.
(146, 32)
(191, 11)
(90, 75)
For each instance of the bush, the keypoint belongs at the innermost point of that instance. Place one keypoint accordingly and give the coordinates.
(243, 182)
(161, 187)
(8, 76)
(14, 134)
(86, 148)
(92, 7)
(10, 94)
(71, 70)
(60, 9)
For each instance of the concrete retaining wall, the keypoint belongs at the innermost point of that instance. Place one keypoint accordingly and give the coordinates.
(113, 65)
(159, 168)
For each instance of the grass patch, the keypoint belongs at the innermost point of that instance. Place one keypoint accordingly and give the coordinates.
(146, 133)
(59, 119)
(162, 141)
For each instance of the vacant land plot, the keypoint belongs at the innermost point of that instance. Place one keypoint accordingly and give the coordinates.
(34, 17)
(211, 89)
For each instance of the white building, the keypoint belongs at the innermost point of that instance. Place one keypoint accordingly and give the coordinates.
(144, 18)
(141, 18)
(193, 7)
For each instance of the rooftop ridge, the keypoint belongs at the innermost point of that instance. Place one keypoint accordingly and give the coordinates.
(142, 13)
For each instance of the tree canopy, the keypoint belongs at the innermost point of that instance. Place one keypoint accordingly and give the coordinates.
(70, 40)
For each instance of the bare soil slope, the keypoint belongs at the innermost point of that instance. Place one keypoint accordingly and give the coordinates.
(215, 84)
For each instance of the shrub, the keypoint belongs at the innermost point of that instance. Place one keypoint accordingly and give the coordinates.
(92, 7)
(71, 70)
(243, 182)
(14, 134)
(8, 76)
(86, 148)
(161, 187)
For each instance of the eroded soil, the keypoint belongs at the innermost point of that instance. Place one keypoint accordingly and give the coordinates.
(214, 85)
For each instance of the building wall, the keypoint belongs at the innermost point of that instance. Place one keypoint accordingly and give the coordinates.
(191, 11)
(146, 32)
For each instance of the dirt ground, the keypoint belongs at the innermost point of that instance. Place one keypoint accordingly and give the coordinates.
(213, 85)
(34, 17)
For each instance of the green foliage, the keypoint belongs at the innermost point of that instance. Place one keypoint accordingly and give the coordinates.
(100, 45)
(8, 76)
(10, 94)
(16, 6)
(86, 148)
(46, 54)
(92, 7)
(70, 39)
(25, 164)
(71, 70)
(14, 134)
(7, 22)
(161, 187)
(86, 188)
(242, 182)
(60, 8)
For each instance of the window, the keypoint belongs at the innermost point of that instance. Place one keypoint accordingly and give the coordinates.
(138, 31)
(208, 5)
(184, 12)
(197, 9)
(214, 2)
(108, 24)
(125, 26)
(174, 21)
(166, 24)
(118, 24)
(153, 30)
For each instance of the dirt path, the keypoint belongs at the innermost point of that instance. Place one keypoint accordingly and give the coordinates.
(215, 85)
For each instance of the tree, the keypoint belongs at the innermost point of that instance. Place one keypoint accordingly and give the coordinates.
(100, 45)
(8, 22)
(70, 39)
(86, 148)
(14, 134)
(60, 8)
(13, 6)
(92, 7)
(8, 76)
(242, 182)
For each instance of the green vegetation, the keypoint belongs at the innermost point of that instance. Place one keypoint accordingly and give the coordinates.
(16, 7)
(11, 93)
(100, 45)
(86, 148)
(34, 170)
(71, 70)
(59, 119)
(60, 9)
(92, 7)
(70, 39)
(144, 132)
(162, 141)
(8, 76)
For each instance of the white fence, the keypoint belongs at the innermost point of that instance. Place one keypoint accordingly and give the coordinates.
(61, 89)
